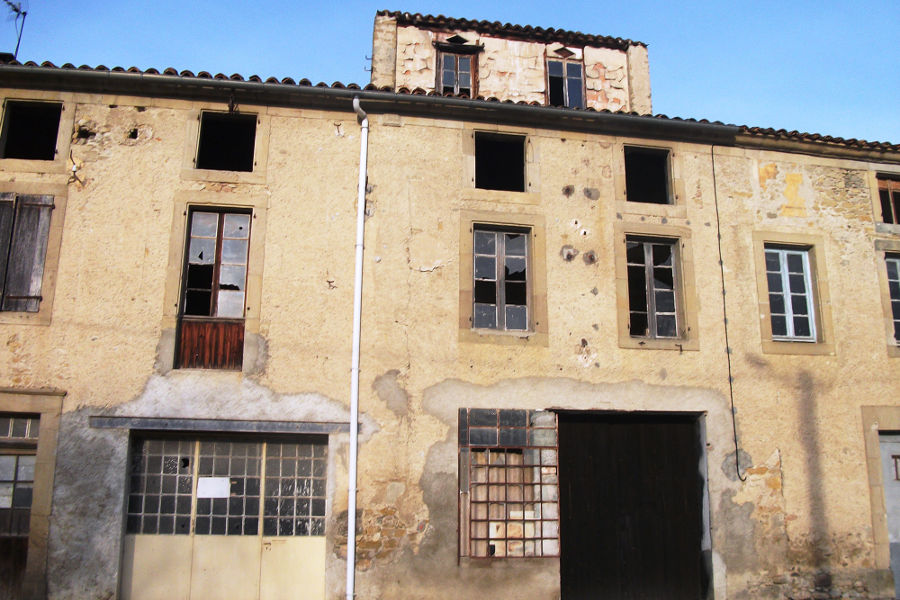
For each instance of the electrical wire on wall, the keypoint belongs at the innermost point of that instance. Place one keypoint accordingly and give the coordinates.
(737, 451)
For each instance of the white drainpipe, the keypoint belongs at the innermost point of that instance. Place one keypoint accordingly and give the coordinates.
(354, 365)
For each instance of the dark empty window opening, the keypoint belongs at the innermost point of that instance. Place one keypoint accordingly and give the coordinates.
(500, 162)
(647, 175)
(226, 142)
(889, 193)
(30, 130)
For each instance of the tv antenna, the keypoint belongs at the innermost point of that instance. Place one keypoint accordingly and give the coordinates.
(21, 13)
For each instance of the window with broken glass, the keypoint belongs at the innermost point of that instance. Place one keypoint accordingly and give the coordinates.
(227, 487)
(18, 446)
(653, 287)
(508, 483)
(215, 278)
(889, 194)
(892, 261)
(565, 83)
(24, 231)
(501, 280)
(791, 302)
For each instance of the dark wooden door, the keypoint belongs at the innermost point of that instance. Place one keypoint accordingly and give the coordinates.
(631, 498)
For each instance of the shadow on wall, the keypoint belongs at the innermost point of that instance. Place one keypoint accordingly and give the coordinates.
(812, 445)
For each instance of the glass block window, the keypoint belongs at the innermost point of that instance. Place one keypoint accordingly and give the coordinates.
(509, 487)
(295, 490)
(227, 487)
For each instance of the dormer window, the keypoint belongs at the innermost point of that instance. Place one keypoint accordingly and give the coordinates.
(457, 66)
(565, 80)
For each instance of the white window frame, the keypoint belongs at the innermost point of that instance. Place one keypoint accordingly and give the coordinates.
(782, 254)
(894, 285)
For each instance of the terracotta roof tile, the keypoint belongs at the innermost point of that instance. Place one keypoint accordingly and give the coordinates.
(522, 32)
(760, 132)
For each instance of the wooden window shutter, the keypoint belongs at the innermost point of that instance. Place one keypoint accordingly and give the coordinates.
(24, 269)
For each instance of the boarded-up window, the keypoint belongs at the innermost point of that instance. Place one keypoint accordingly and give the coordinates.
(24, 228)
(211, 331)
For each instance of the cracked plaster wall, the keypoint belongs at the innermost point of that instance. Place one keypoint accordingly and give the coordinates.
(510, 69)
(799, 525)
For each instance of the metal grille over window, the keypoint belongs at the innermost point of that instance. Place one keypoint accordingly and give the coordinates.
(18, 436)
(652, 288)
(509, 488)
(501, 280)
(893, 273)
(790, 294)
(227, 487)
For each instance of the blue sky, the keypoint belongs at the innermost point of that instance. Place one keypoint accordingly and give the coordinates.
(827, 67)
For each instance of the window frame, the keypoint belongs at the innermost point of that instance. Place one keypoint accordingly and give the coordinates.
(47, 405)
(685, 290)
(888, 190)
(814, 245)
(59, 164)
(676, 207)
(500, 256)
(536, 271)
(784, 273)
(51, 254)
(257, 204)
(189, 170)
(565, 62)
(473, 71)
(887, 249)
(652, 311)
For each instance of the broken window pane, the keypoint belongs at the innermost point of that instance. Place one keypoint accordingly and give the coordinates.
(500, 300)
(652, 288)
(565, 83)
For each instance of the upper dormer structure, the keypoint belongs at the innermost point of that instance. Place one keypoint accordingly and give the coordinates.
(486, 59)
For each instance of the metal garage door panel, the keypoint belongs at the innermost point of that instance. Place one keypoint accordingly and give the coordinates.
(156, 567)
(293, 568)
(225, 567)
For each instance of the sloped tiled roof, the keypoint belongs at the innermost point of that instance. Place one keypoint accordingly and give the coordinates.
(760, 133)
(507, 30)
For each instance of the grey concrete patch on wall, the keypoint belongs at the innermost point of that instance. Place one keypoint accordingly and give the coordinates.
(392, 393)
(91, 470)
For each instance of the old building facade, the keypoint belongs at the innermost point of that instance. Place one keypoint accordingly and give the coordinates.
(602, 353)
